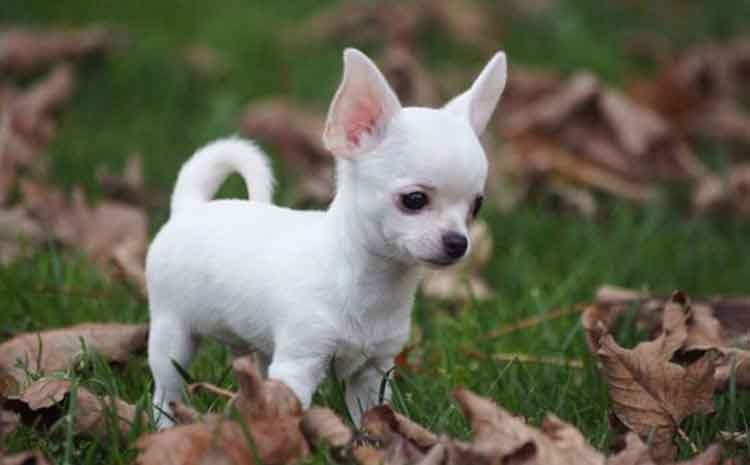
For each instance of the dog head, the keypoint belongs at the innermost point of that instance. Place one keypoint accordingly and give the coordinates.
(412, 178)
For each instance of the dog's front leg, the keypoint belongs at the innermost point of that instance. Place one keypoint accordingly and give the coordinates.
(302, 374)
(363, 388)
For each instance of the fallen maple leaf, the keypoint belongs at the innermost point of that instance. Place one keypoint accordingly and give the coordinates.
(206, 62)
(44, 397)
(651, 395)
(24, 50)
(322, 425)
(497, 433)
(296, 134)
(8, 422)
(44, 352)
(468, 22)
(129, 186)
(411, 82)
(267, 430)
(730, 192)
(402, 440)
(110, 232)
(698, 91)
(34, 457)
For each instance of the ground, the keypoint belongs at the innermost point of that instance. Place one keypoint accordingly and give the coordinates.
(143, 99)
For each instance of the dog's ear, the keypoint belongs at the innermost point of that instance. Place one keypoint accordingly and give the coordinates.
(361, 109)
(478, 103)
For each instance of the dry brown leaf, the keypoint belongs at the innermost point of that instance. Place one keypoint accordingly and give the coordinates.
(111, 232)
(711, 456)
(699, 89)
(28, 119)
(322, 425)
(129, 186)
(57, 349)
(533, 156)
(573, 134)
(463, 281)
(17, 230)
(411, 82)
(716, 321)
(386, 427)
(651, 395)
(33, 110)
(500, 435)
(730, 192)
(467, 22)
(296, 135)
(206, 62)
(8, 422)
(267, 408)
(24, 50)
(195, 444)
(43, 399)
(34, 457)
(263, 399)
(635, 452)
(183, 414)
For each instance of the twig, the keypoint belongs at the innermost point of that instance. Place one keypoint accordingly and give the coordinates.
(685, 438)
(525, 358)
(533, 321)
(208, 387)
(736, 437)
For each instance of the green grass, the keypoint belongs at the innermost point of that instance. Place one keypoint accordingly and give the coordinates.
(145, 99)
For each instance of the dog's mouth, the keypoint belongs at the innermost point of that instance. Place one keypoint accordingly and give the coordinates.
(440, 262)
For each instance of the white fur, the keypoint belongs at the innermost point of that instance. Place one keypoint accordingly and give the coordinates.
(307, 288)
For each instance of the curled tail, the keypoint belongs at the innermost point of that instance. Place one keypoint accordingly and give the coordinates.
(202, 175)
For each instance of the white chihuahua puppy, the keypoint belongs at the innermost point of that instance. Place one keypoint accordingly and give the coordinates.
(304, 289)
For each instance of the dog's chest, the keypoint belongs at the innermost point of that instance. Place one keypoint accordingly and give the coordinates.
(375, 324)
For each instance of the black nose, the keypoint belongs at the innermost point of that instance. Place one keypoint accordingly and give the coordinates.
(455, 244)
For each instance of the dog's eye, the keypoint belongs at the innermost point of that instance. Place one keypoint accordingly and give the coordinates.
(477, 206)
(414, 201)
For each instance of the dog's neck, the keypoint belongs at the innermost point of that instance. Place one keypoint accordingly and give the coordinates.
(363, 247)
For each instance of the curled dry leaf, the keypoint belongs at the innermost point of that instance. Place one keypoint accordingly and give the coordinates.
(411, 82)
(296, 135)
(206, 62)
(579, 132)
(263, 399)
(23, 50)
(17, 229)
(698, 91)
(713, 322)
(111, 232)
(8, 422)
(34, 457)
(57, 350)
(267, 409)
(498, 434)
(635, 452)
(467, 22)
(651, 395)
(730, 192)
(403, 441)
(34, 109)
(28, 120)
(129, 186)
(464, 281)
(43, 399)
(322, 425)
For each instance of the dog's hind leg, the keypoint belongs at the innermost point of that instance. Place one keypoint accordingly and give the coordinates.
(168, 343)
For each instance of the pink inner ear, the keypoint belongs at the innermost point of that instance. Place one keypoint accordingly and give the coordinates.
(362, 119)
